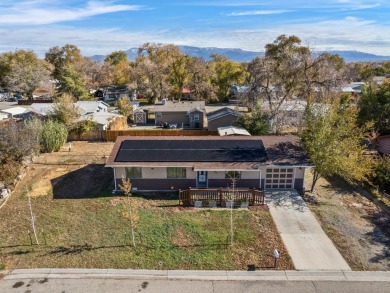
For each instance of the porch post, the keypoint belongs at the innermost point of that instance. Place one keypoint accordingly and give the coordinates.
(115, 180)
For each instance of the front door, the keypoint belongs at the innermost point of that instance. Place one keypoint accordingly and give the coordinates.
(202, 180)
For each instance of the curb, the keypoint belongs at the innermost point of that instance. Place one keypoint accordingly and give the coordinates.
(345, 276)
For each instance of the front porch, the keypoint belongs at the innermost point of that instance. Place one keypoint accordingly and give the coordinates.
(252, 196)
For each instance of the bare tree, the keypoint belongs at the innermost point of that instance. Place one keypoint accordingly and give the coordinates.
(132, 210)
(32, 216)
(289, 72)
(230, 198)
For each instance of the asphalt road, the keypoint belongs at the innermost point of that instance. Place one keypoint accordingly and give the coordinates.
(187, 286)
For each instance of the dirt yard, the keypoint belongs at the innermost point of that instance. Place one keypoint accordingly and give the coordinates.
(359, 229)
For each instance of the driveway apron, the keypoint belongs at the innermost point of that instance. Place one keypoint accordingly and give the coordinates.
(306, 242)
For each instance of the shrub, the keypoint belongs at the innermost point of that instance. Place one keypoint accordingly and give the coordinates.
(53, 136)
(382, 174)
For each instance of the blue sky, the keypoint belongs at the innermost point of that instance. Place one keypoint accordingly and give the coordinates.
(100, 27)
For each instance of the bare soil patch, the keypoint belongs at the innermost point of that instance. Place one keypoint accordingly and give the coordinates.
(359, 229)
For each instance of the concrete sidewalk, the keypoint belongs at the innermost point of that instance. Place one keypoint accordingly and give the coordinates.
(306, 242)
(151, 281)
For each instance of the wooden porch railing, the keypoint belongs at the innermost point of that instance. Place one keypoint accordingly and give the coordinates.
(189, 196)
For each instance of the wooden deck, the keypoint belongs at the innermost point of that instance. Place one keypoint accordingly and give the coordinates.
(189, 196)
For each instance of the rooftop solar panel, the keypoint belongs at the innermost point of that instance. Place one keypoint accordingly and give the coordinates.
(191, 151)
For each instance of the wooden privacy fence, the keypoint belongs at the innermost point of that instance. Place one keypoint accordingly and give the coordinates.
(189, 196)
(111, 135)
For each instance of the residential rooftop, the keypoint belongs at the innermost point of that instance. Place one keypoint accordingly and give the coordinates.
(199, 151)
(179, 106)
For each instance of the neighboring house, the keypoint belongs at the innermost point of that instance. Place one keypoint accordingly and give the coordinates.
(236, 90)
(103, 120)
(115, 93)
(222, 117)
(186, 93)
(42, 109)
(289, 116)
(355, 89)
(190, 114)
(232, 130)
(384, 144)
(172, 163)
(88, 107)
(42, 94)
(85, 107)
(17, 113)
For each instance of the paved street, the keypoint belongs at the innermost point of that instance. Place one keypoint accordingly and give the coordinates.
(95, 280)
(308, 245)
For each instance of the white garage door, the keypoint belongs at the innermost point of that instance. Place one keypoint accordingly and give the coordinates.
(278, 178)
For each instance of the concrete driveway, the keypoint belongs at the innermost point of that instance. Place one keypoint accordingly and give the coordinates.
(306, 242)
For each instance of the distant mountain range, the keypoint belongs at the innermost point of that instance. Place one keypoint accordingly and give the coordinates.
(239, 55)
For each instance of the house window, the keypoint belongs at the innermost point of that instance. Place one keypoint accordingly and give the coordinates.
(158, 114)
(196, 117)
(176, 172)
(133, 172)
(233, 175)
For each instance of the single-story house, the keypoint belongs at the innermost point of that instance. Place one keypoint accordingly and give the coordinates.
(222, 117)
(232, 130)
(190, 114)
(85, 107)
(17, 112)
(172, 163)
(88, 107)
(42, 94)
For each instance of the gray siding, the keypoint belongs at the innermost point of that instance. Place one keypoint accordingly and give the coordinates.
(161, 184)
(227, 120)
(242, 183)
(173, 118)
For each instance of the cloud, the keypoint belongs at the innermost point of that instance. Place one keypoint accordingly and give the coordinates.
(44, 12)
(226, 4)
(356, 5)
(365, 6)
(257, 12)
(348, 33)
